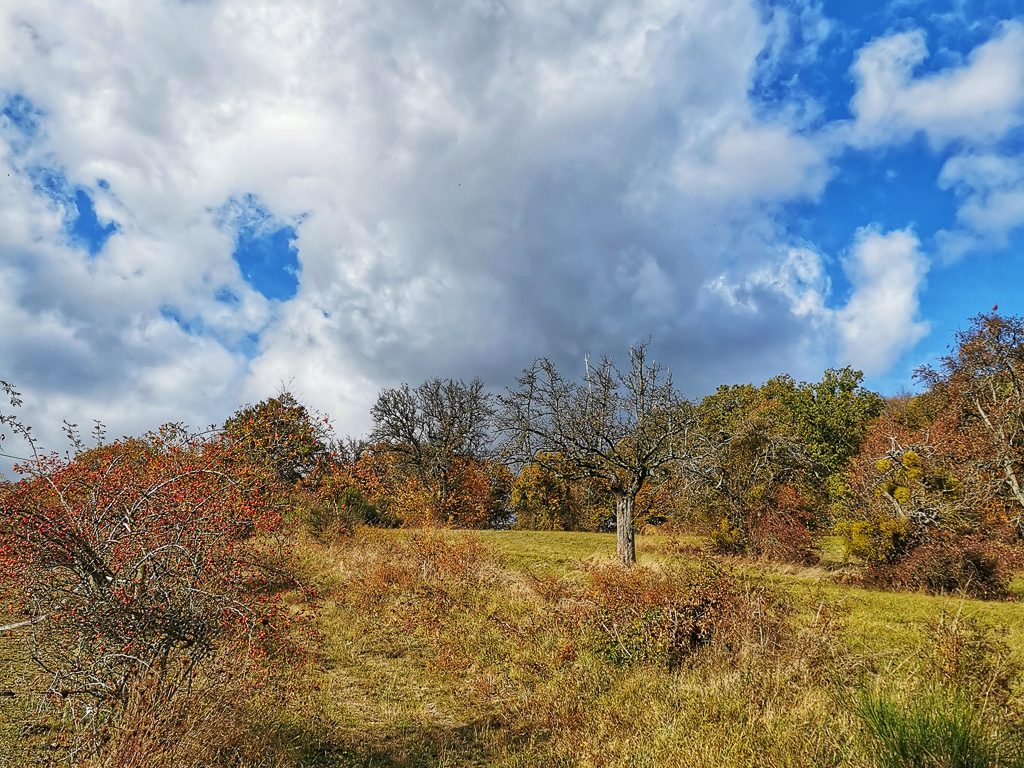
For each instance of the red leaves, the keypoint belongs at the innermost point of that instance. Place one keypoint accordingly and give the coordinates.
(150, 545)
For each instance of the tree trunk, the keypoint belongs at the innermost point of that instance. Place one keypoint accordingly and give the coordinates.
(624, 527)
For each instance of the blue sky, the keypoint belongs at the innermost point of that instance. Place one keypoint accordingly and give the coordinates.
(200, 202)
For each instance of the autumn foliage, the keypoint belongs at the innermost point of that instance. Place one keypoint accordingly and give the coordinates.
(935, 499)
(135, 562)
(280, 436)
(545, 500)
(475, 495)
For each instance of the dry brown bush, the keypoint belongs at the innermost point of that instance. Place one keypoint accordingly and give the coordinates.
(973, 566)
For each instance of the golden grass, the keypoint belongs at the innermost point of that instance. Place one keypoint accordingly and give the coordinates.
(431, 675)
(489, 649)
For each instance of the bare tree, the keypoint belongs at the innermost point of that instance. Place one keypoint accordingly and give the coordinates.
(432, 426)
(621, 426)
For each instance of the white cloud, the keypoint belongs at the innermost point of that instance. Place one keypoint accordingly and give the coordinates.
(990, 189)
(978, 101)
(753, 161)
(798, 275)
(976, 104)
(482, 183)
(879, 322)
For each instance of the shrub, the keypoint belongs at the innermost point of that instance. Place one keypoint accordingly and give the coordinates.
(334, 506)
(640, 614)
(782, 537)
(882, 539)
(775, 531)
(135, 562)
(971, 565)
(221, 722)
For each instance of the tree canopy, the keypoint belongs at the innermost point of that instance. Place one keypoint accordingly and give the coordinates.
(622, 426)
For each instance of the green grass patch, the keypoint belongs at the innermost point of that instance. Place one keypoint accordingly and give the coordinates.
(934, 730)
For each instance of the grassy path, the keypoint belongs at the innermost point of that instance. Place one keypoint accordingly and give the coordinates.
(498, 649)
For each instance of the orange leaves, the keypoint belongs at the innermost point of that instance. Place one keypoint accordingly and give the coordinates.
(475, 496)
(146, 544)
(280, 436)
(937, 483)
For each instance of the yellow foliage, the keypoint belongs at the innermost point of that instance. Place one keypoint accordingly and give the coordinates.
(910, 460)
(874, 541)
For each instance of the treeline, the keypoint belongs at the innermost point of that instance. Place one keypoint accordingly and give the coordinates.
(923, 489)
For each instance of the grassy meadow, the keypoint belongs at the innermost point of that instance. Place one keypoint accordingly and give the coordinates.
(507, 648)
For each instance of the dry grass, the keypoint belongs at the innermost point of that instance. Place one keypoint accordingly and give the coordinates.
(535, 649)
(499, 661)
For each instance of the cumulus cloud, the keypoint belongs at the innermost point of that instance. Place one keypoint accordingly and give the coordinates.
(973, 108)
(345, 196)
(880, 320)
(990, 189)
(978, 101)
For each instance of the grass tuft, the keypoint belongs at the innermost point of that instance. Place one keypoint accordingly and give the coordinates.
(935, 729)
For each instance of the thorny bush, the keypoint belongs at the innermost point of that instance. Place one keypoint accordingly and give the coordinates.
(944, 563)
(133, 562)
(668, 616)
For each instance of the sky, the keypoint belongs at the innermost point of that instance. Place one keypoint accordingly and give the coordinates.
(203, 201)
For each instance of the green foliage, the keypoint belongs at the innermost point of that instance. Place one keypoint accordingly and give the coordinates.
(753, 451)
(726, 539)
(775, 459)
(881, 539)
(832, 417)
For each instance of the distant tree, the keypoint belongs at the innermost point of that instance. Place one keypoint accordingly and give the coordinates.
(755, 458)
(664, 501)
(774, 468)
(438, 433)
(280, 435)
(480, 499)
(621, 427)
(983, 379)
(831, 418)
(542, 500)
